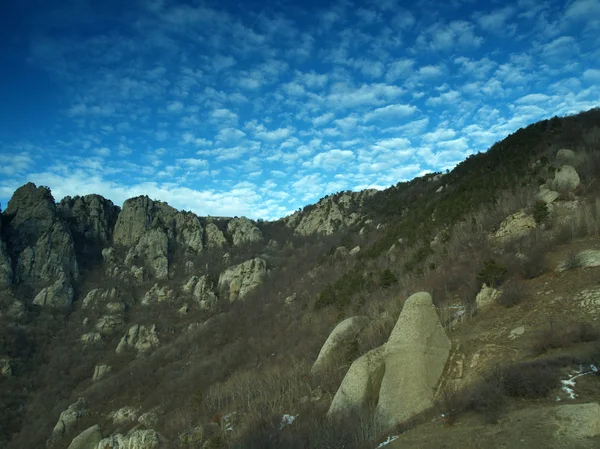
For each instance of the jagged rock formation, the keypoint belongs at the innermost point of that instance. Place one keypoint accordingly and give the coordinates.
(243, 231)
(515, 226)
(343, 333)
(214, 237)
(157, 295)
(88, 439)
(100, 371)
(237, 281)
(360, 388)
(566, 179)
(91, 220)
(546, 195)
(41, 246)
(329, 214)
(139, 337)
(136, 439)
(201, 290)
(125, 415)
(415, 357)
(152, 250)
(68, 419)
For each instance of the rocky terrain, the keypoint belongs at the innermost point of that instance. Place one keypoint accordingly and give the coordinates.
(447, 311)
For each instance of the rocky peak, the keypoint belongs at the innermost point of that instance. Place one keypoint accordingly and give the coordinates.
(329, 214)
(139, 215)
(243, 230)
(92, 217)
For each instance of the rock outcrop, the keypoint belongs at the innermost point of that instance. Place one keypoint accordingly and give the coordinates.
(151, 250)
(566, 157)
(157, 295)
(88, 439)
(91, 219)
(329, 214)
(237, 281)
(415, 357)
(201, 290)
(5, 366)
(6, 272)
(339, 337)
(214, 237)
(100, 371)
(40, 245)
(486, 297)
(136, 439)
(360, 388)
(546, 195)
(516, 225)
(243, 231)
(68, 419)
(139, 337)
(566, 179)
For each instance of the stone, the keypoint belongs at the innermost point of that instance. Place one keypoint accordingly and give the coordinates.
(439, 189)
(139, 215)
(157, 294)
(16, 310)
(125, 415)
(153, 249)
(486, 297)
(100, 371)
(359, 390)
(139, 337)
(88, 439)
(68, 418)
(566, 179)
(214, 237)
(150, 418)
(515, 226)
(189, 232)
(110, 324)
(136, 439)
(91, 338)
(583, 259)
(243, 231)
(238, 281)
(516, 332)
(201, 290)
(329, 214)
(91, 220)
(354, 251)
(546, 195)
(340, 336)
(290, 299)
(340, 252)
(415, 357)
(98, 298)
(58, 295)
(578, 421)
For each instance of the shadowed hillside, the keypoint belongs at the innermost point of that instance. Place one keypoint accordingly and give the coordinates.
(147, 327)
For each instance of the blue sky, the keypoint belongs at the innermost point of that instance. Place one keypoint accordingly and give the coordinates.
(258, 108)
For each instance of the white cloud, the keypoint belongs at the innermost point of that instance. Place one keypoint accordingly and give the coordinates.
(330, 160)
(498, 21)
(533, 98)
(229, 135)
(14, 164)
(175, 106)
(592, 75)
(102, 152)
(224, 115)
(193, 163)
(439, 134)
(391, 111)
(582, 10)
(447, 97)
(458, 34)
(323, 119)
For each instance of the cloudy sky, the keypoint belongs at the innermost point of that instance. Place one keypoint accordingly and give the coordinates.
(257, 108)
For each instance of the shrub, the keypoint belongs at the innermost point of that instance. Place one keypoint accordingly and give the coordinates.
(540, 212)
(530, 380)
(554, 337)
(512, 294)
(492, 273)
(572, 261)
(387, 278)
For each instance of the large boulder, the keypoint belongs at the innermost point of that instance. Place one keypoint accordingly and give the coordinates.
(188, 231)
(486, 297)
(360, 388)
(566, 179)
(157, 295)
(88, 439)
(237, 281)
(338, 339)
(415, 357)
(139, 337)
(546, 195)
(243, 231)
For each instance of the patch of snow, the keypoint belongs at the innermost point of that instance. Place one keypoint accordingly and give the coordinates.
(286, 420)
(568, 385)
(228, 420)
(388, 441)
